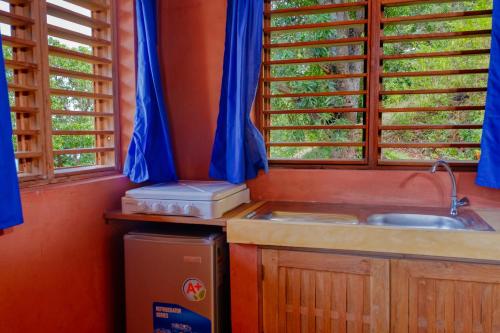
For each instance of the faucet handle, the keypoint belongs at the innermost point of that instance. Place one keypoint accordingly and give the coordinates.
(463, 202)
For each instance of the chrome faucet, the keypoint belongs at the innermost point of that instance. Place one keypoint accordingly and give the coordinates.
(455, 203)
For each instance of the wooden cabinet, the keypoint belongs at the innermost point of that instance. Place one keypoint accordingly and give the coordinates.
(322, 292)
(440, 296)
(325, 292)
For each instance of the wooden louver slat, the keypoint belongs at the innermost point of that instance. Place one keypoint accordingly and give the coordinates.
(71, 16)
(319, 9)
(318, 94)
(434, 109)
(430, 145)
(431, 91)
(318, 43)
(314, 127)
(315, 77)
(334, 110)
(95, 5)
(76, 36)
(79, 75)
(315, 144)
(24, 65)
(438, 17)
(23, 109)
(82, 113)
(81, 94)
(392, 3)
(70, 54)
(27, 155)
(437, 35)
(25, 132)
(429, 127)
(14, 19)
(444, 54)
(350, 58)
(22, 88)
(82, 132)
(83, 151)
(436, 73)
(18, 2)
(314, 26)
(17, 42)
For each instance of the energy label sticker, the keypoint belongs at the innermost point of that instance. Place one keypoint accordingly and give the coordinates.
(194, 290)
(173, 318)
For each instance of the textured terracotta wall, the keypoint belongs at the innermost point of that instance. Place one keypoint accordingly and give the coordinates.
(192, 35)
(245, 278)
(126, 70)
(192, 52)
(370, 187)
(61, 271)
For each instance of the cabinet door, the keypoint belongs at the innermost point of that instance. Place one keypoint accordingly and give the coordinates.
(439, 296)
(321, 292)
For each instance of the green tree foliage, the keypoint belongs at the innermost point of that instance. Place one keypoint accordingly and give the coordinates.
(63, 122)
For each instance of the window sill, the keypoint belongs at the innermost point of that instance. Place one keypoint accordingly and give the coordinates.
(276, 164)
(74, 178)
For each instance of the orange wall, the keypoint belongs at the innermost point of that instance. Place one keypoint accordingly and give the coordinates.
(192, 53)
(192, 35)
(61, 271)
(369, 187)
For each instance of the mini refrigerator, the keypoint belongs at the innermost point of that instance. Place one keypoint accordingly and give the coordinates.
(176, 283)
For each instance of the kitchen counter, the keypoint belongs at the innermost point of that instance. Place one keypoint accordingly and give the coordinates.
(118, 215)
(459, 244)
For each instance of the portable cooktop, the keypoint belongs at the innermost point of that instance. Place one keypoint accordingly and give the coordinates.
(205, 199)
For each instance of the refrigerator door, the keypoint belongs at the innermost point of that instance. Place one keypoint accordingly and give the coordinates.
(169, 279)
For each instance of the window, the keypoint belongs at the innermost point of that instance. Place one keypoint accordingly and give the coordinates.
(59, 60)
(374, 83)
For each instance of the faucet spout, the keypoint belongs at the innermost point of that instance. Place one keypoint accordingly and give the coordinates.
(455, 203)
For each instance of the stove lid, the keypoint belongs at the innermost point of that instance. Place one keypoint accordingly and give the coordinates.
(187, 190)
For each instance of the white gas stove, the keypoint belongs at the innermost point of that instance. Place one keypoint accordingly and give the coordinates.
(205, 199)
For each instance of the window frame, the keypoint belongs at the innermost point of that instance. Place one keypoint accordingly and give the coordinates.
(48, 174)
(374, 13)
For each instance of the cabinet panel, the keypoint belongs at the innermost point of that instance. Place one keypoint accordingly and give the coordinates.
(448, 297)
(321, 292)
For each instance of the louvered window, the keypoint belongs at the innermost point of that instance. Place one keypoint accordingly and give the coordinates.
(314, 92)
(59, 59)
(374, 83)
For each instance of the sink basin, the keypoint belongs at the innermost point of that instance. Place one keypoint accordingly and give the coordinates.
(466, 222)
(285, 216)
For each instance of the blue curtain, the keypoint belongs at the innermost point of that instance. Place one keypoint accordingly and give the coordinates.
(239, 151)
(10, 200)
(150, 155)
(489, 165)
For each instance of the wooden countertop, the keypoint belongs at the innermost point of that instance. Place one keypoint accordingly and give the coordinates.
(459, 244)
(117, 215)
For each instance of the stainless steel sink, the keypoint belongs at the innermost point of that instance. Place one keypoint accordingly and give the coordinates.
(434, 218)
(465, 222)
